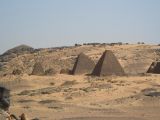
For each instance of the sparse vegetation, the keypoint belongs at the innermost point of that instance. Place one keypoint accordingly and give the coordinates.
(140, 43)
(77, 45)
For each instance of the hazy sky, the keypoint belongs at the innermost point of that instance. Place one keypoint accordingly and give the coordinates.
(48, 23)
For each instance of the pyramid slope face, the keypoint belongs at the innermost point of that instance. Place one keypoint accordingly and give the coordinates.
(154, 68)
(108, 65)
(37, 69)
(83, 65)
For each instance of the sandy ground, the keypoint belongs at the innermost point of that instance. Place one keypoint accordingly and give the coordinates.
(67, 97)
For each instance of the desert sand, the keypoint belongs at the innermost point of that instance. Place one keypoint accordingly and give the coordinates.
(134, 96)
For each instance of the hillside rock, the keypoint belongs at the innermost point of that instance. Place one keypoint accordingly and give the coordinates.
(14, 52)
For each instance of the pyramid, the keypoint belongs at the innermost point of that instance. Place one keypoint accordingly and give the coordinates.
(154, 68)
(37, 69)
(108, 65)
(83, 65)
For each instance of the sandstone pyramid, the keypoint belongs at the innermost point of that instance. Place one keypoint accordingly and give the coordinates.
(108, 65)
(154, 68)
(83, 65)
(37, 69)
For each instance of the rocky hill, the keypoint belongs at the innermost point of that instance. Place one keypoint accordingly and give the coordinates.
(14, 52)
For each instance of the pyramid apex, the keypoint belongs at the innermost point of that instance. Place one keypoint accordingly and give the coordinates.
(108, 65)
(83, 65)
(37, 69)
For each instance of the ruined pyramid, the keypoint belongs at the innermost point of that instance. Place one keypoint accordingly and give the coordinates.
(108, 65)
(83, 65)
(154, 68)
(37, 69)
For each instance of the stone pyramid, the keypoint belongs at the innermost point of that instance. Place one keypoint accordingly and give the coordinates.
(83, 65)
(108, 65)
(37, 69)
(154, 68)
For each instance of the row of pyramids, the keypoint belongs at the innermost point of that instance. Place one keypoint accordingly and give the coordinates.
(107, 65)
